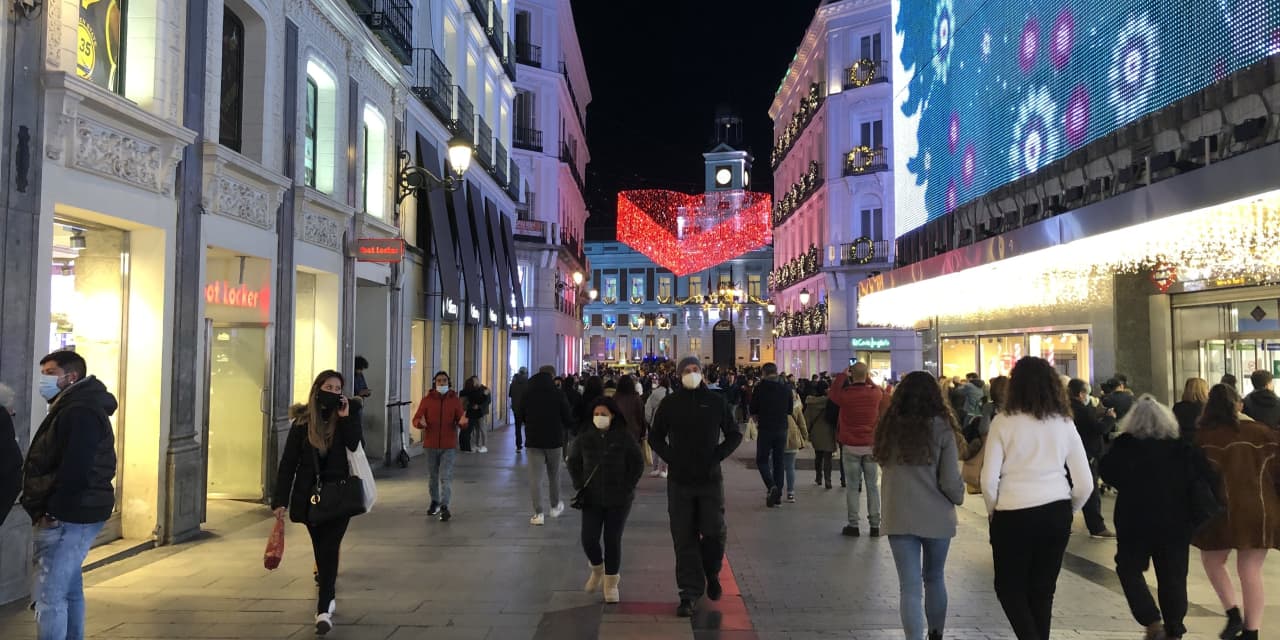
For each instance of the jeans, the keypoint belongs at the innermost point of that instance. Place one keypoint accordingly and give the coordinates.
(789, 459)
(1093, 508)
(59, 591)
(1170, 559)
(1027, 546)
(856, 468)
(550, 459)
(440, 474)
(479, 435)
(610, 521)
(770, 447)
(326, 543)
(698, 532)
(917, 558)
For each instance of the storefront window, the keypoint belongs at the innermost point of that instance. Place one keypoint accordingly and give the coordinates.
(100, 47)
(419, 361)
(1068, 352)
(999, 354)
(880, 364)
(755, 349)
(959, 356)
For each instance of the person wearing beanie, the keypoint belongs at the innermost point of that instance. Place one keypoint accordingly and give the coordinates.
(687, 432)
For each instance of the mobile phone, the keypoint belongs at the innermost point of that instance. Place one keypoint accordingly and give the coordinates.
(853, 361)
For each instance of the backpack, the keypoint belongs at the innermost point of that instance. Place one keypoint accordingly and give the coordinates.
(832, 413)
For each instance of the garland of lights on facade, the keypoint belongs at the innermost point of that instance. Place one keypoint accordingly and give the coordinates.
(688, 233)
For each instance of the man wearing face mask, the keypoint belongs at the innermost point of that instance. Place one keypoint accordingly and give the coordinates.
(439, 416)
(66, 488)
(693, 432)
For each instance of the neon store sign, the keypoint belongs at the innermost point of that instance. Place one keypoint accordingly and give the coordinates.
(240, 296)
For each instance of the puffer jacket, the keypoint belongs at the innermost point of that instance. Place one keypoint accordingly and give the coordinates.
(72, 459)
(438, 417)
(861, 405)
(616, 459)
(694, 432)
(296, 477)
(797, 427)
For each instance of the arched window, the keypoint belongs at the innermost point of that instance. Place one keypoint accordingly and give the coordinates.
(375, 162)
(309, 160)
(231, 109)
(319, 152)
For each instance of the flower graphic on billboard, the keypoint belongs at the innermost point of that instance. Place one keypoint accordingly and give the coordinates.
(1029, 45)
(1133, 68)
(1062, 39)
(943, 33)
(1036, 141)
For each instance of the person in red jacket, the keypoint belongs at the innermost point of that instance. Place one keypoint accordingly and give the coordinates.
(439, 416)
(861, 404)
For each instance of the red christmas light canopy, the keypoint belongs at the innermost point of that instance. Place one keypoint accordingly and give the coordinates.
(687, 233)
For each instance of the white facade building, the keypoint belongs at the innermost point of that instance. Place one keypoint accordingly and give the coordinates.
(833, 193)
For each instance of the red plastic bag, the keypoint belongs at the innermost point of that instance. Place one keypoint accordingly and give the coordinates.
(275, 546)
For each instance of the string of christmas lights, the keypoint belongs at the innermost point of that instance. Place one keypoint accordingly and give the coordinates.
(688, 233)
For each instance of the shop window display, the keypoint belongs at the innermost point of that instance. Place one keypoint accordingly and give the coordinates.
(959, 356)
(999, 354)
(1068, 352)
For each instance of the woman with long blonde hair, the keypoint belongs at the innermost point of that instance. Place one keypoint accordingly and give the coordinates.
(1194, 394)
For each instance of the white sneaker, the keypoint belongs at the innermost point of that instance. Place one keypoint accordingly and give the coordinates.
(324, 623)
(557, 510)
(538, 520)
(333, 607)
(484, 449)
(663, 475)
(655, 473)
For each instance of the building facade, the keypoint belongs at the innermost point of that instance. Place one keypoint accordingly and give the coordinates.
(550, 147)
(207, 230)
(1132, 233)
(645, 312)
(833, 193)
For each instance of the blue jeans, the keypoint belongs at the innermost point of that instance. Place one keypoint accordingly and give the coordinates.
(789, 457)
(856, 468)
(59, 591)
(770, 446)
(440, 474)
(920, 563)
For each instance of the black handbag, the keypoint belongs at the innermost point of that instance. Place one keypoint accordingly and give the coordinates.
(581, 495)
(334, 499)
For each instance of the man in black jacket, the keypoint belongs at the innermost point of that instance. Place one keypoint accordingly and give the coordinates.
(67, 489)
(10, 455)
(546, 417)
(1262, 404)
(771, 404)
(1093, 431)
(516, 391)
(687, 432)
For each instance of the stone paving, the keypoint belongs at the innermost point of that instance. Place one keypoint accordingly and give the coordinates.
(489, 575)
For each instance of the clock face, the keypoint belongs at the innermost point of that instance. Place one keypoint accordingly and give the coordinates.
(723, 177)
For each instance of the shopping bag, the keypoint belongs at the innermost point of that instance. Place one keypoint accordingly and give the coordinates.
(275, 546)
(647, 451)
(360, 468)
(751, 428)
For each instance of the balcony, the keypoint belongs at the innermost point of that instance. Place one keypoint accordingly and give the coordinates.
(496, 31)
(392, 22)
(574, 248)
(568, 157)
(798, 194)
(865, 160)
(861, 251)
(535, 230)
(481, 9)
(573, 97)
(509, 59)
(513, 184)
(800, 120)
(528, 54)
(484, 144)
(499, 170)
(433, 84)
(528, 139)
(463, 114)
(866, 72)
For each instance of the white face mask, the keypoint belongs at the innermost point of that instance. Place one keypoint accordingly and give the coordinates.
(602, 422)
(49, 387)
(639, 388)
(442, 389)
(691, 380)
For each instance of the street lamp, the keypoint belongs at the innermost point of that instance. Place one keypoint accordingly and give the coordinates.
(593, 294)
(577, 278)
(771, 307)
(415, 179)
(804, 297)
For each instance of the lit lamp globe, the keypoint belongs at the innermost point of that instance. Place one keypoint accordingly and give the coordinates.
(460, 151)
(528, 321)
(804, 297)
(593, 294)
(771, 307)
(577, 277)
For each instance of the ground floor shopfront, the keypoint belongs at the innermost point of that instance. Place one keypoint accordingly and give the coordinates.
(888, 353)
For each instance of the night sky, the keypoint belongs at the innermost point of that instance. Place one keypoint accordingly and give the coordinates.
(659, 70)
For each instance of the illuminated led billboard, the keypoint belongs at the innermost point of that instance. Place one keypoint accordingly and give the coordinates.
(987, 91)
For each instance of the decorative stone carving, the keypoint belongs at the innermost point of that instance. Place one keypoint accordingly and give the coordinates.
(101, 149)
(53, 29)
(320, 230)
(243, 202)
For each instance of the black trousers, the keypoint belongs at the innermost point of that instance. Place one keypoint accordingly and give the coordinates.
(1027, 546)
(610, 521)
(465, 435)
(1093, 508)
(699, 534)
(822, 466)
(326, 541)
(771, 445)
(1170, 559)
(519, 429)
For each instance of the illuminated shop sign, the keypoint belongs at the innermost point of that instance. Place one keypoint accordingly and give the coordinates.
(869, 343)
(380, 249)
(474, 312)
(450, 308)
(493, 317)
(242, 296)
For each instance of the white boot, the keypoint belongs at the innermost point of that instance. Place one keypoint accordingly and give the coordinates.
(594, 580)
(611, 588)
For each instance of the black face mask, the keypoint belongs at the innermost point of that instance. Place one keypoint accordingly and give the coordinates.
(328, 401)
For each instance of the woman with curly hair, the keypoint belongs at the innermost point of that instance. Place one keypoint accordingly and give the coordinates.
(918, 446)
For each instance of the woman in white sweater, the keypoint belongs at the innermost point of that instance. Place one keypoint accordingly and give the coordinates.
(1030, 449)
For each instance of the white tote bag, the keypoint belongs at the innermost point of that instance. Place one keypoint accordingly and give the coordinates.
(360, 468)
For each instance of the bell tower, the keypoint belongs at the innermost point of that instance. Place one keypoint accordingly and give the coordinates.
(728, 167)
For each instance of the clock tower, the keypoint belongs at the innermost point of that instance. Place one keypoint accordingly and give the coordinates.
(727, 167)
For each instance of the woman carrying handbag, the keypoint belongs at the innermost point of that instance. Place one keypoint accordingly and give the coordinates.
(315, 482)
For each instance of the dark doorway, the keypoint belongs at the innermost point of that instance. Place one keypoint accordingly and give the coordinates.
(724, 344)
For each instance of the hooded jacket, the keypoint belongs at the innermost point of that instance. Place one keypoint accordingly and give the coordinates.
(438, 417)
(546, 414)
(861, 405)
(686, 433)
(1263, 406)
(519, 386)
(296, 477)
(72, 459)
(616, 460)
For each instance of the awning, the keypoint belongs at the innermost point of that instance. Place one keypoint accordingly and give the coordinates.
(434, 209)
(480, 225)
(500, 257)
(511, 264)
(470, 264)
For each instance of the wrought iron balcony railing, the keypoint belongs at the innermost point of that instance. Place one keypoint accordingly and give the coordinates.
(499, 170)
(866, 160)
(570, 158)
(433, 84)
(527, 139)
(513, 183)
(528, 54)
(464, 114)
(484, 144)
(391, 21)
(863, 251)
(866, 72)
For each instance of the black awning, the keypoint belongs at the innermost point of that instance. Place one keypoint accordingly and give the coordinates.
(470, 264)
(510, 242)
(500, 258)
(480, 226)
(434, 209)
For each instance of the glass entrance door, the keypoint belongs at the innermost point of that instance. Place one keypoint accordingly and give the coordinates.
(1239, 357)
(235, 426)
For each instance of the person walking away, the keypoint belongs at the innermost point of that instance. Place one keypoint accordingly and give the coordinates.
(1093, 431)
(516, 392)
(67, 489)
(861, 404)
(1030, 450)
(1229, 380)
(632, 407)
(1117, 395)
(660, 391)
(475, 398)
(547, 418)
(323, 430)
(822, 434)
(974, 396)
(10, 455)
(1195, 392)
(694, 432)
(605, 465)
(439, 416)
(975, 434)
(955, 395)
(771, 405)
(1153, 469)
(733, 394)
(1262, 404)
(361, 390)
(797, 439)
(1244, 453)
(918, 444)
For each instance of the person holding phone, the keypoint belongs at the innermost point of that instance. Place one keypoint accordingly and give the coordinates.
(322, 429)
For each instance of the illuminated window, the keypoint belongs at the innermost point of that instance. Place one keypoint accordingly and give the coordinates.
(754, 288)
(755, 349)
(695, 286)
(695, 346)
(231, 107)
(309, 150)
(664, 288)
(99, 50)
(610, 289)
(375, 162)
(637, 287)
(320, 149)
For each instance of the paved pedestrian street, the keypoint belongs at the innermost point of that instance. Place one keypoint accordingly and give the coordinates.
(489, 575)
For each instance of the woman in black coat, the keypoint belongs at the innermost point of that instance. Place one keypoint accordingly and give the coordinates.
(606, 464)
(323, 431)
(475, 400)
(1194, 394)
